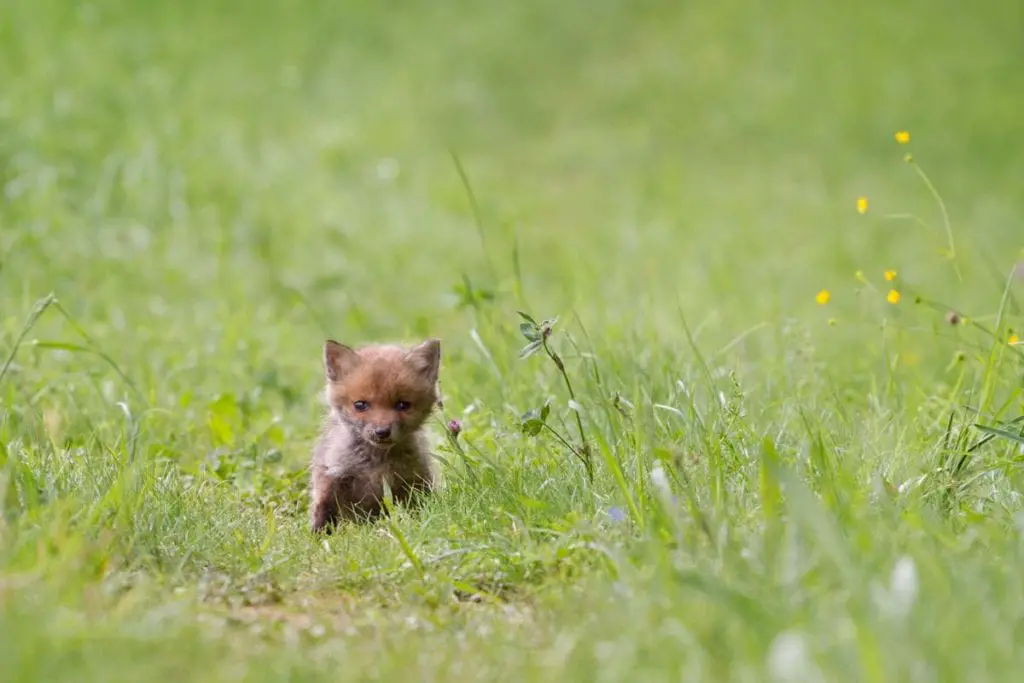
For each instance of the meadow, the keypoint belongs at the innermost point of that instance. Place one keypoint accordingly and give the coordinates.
(775, 247)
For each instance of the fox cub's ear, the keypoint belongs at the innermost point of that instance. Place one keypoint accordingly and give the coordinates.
(426, 358)
(338, 360)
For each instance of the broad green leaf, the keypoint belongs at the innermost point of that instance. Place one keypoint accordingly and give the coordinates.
(529, 330)
(526, 317)
(530, 349)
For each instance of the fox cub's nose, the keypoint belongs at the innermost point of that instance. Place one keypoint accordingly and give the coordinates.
(382, 432)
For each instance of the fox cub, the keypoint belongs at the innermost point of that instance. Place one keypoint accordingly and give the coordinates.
(378, 398)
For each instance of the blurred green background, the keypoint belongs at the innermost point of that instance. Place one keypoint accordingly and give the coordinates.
(211, 188)
(637, 153)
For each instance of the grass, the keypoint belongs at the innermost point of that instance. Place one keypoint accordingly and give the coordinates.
(781, 491)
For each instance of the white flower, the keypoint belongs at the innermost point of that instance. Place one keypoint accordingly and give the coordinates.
(898, 599)
(660, 481)
(903, 585)
(789, 660)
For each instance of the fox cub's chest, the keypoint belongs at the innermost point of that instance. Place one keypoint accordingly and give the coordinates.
(401, 477)
(374, 478)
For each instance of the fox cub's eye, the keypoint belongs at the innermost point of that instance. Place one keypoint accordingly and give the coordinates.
(360, 406)
(402, 406)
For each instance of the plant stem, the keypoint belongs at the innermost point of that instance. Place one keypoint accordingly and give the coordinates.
(584, 450)
(945, 216)
(565, 442)
(37, 310)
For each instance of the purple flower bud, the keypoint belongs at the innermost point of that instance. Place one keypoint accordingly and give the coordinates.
(454, 427)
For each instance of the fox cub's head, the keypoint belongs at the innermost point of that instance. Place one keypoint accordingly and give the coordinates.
(384, 393)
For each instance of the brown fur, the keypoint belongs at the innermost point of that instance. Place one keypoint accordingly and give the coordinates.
(352, 459)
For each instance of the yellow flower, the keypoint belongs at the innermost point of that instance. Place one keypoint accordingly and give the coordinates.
(1014, 340)
(893, 297)
(862, 205)
(890, 275)
(903, 137)
(823, 297)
